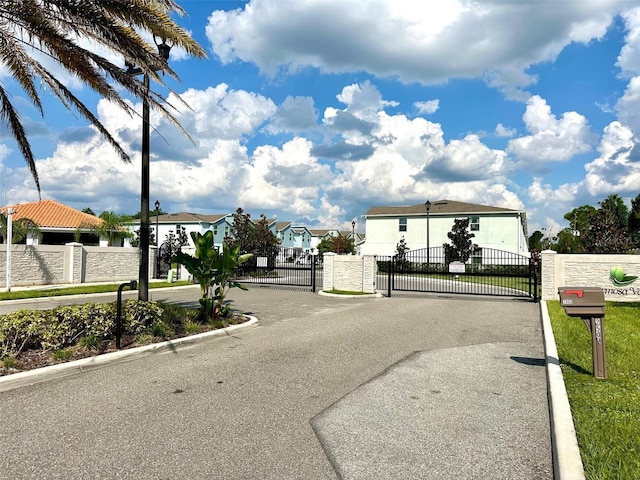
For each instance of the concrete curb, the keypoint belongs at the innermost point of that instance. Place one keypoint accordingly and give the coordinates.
(31, 377)
(567, 463)
(339, 295)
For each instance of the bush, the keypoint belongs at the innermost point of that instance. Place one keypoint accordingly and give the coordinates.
(63, 326)
(20, 330)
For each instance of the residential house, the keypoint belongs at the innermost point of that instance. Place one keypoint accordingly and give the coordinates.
(317, 235)
(295, 240)
(162, 225)
(58, 223)
(493, 227)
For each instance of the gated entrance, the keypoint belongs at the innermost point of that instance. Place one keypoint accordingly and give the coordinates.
(489, 272)
(303, 271)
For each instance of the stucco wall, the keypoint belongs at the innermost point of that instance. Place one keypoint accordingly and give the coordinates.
(72, 263)
(573, 270)
(33, 264)
(351, 273)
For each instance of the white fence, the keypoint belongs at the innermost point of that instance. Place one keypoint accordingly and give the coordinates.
(71, 264)
(592, 270)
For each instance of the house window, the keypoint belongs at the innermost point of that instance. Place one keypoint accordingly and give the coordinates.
(402, 224)
(215, 230)
(474, 224)
(476, 256)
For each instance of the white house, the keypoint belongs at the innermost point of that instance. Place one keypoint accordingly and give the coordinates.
(422, 227)
(219, 224)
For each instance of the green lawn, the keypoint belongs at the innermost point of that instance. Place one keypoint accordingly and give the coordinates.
(77, 290)
(606, 412)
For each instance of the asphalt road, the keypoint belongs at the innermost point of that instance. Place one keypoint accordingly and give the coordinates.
(324, 388)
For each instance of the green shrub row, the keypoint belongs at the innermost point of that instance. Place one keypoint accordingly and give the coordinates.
(405, 266)
(63, 326)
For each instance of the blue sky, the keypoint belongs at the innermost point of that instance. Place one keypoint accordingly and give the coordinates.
(313, 111)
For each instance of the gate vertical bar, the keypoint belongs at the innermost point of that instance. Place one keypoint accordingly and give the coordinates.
(389, 276)
(313, 273)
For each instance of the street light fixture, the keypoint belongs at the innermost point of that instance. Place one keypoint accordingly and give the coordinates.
(143, 274)
(427, 205)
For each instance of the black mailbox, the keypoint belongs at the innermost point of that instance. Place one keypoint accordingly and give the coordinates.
(583, 302)
(588, 304)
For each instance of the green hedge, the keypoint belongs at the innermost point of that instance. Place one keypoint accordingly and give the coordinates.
(63, 326)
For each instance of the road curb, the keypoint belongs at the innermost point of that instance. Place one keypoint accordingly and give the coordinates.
(567, 463)
(31, 377)
(340, 295)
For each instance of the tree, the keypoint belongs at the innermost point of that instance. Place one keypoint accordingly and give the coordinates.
(338, 244)
(135, 241)
(568, 242)
(60, 29)
(607, 231)
(535, 241)
(242, 232)
(112, 228)
(88, 211)
(461, 246)
(265, 242)
(634, 222)
(173, 244)
(20, 228)
(401, 255)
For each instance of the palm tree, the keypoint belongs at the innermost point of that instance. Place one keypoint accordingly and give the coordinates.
(57, 27)
(20, 228)
(112, 227)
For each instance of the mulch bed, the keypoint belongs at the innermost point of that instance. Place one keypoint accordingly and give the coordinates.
(32, 359)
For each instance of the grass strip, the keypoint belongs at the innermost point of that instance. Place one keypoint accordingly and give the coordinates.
(78, 290)
(606, 412)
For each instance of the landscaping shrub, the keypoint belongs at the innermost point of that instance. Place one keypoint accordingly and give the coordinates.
(63, 326)
(19, 331)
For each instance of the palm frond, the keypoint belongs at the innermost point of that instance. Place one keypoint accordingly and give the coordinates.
(56, 28)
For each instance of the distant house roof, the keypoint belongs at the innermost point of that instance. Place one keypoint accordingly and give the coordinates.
(282, 225)
(446, 207)
(186, 217)
(50, 214)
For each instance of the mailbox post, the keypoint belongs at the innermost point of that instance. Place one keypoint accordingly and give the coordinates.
(588, 304)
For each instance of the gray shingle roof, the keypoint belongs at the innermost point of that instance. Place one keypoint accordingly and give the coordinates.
(444, 207)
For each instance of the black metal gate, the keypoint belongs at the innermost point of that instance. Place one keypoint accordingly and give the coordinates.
(488, 272)
(302, 271)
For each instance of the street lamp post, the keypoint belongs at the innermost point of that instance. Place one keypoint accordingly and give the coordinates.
(353, 235)
(143, 273)
(157, 205)
(427, 205)
(10, 213)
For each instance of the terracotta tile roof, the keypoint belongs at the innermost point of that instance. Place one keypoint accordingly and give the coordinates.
(445, 207)
(50, 214)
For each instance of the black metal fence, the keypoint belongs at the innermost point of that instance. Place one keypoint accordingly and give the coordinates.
(301, 271)
(489, 272)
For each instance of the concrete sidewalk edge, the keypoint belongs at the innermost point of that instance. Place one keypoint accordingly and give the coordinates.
(31, 377)
(567, 463)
